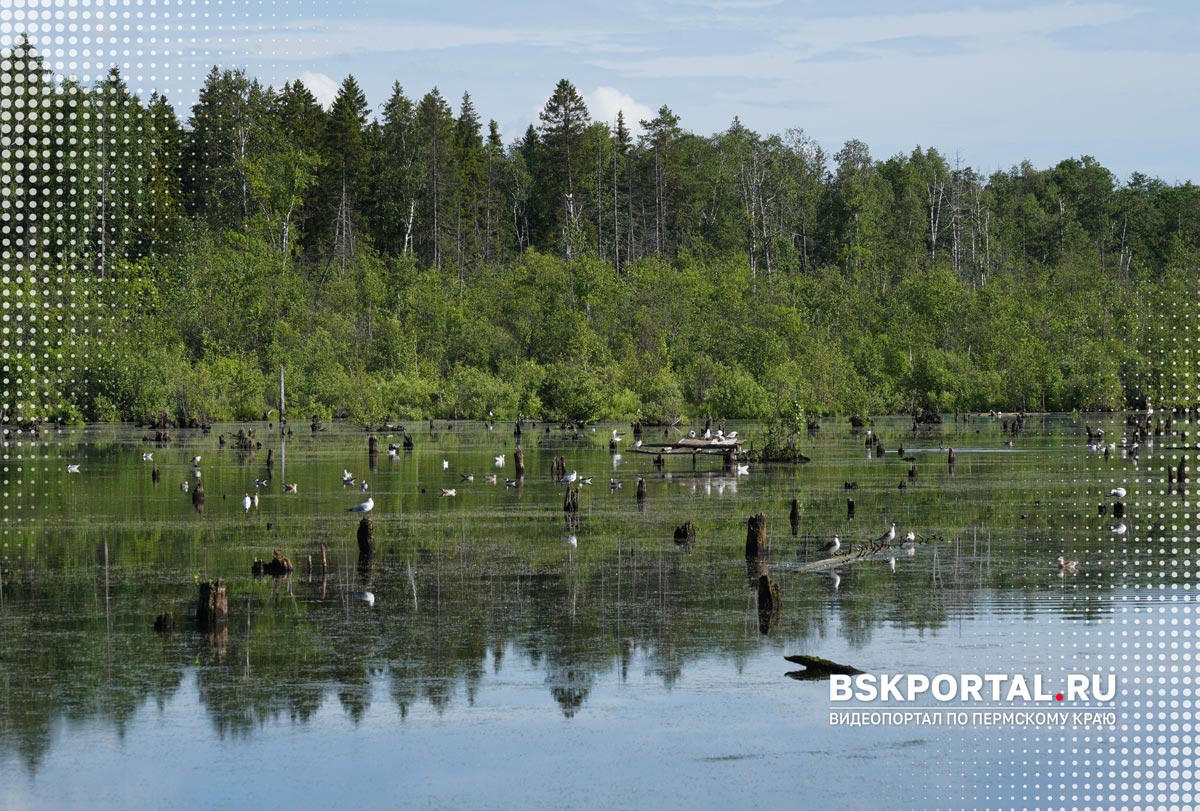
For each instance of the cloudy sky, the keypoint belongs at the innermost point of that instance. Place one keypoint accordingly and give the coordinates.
(995, 81)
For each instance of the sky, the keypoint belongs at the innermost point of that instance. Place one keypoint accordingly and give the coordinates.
(991, 82)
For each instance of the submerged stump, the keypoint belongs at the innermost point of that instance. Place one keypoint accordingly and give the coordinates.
(212, 608)
(756, 535)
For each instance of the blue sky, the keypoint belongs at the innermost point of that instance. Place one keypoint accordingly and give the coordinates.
(995, 81)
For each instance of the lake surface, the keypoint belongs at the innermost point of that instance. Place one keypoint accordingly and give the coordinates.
(499, 666)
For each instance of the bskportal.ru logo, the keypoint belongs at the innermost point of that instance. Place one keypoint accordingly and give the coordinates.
(966, 688)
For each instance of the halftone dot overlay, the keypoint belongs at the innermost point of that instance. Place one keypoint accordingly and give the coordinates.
(78, 84)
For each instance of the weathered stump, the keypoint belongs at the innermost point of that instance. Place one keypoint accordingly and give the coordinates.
(794, 517)
(198, 496)
(768, 593)
(571, 500)
(270, 458)
(366, 536)
(849, 508)
(154, 474)
(756, 535)
(912, 470)
(213, 606)
(685, 534)
(519, 461)
(278, 566)
(1118, 510)
(164, 622)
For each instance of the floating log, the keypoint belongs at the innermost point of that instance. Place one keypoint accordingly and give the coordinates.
(685, 534)
(213, 606)
(816, 668)
(756, 535)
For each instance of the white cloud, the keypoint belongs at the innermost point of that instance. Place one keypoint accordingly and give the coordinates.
(321, 86)
(604, 103)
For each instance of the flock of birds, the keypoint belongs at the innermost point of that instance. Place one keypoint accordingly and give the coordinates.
(833, 547)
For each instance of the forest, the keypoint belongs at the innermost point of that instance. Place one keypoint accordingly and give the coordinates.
(404, 261)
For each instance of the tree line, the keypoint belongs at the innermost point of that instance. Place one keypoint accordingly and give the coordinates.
(407, 261)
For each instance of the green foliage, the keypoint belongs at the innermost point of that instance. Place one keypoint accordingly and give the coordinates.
(412, 266)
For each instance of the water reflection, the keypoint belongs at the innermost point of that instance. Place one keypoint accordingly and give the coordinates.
(465, 589)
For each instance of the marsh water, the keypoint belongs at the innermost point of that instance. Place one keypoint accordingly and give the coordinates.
(500, 666)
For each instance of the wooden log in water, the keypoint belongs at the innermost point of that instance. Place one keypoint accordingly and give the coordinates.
(756, 535)
(817, 668)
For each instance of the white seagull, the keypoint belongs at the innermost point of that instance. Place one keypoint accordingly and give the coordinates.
(1117, 492)
(888, 536)
(449, 492)
(743, 470)
(365, 596)
(254, 498)
(247, 503)
(365, 507)
(833, 546)
(569, 478)
(72, 468)
(445, 464)
(147, 457)
(571, 541)
(195, 460)
(499, 460)
(1118, 529)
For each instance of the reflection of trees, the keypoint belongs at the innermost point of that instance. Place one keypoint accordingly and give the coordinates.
(293, 645)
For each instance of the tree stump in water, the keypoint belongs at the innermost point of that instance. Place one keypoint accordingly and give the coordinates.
(213, 607)
(794, 517)
(849, 508)
(270, 458)
(1118, 510)
(768, 593)
(198, 496)
(756, 536)
(685, 534)
(278, 566)
(165, 622)
(571, 500)
(366, 537)
(912, 471)
(154, 474)
(519, 460)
